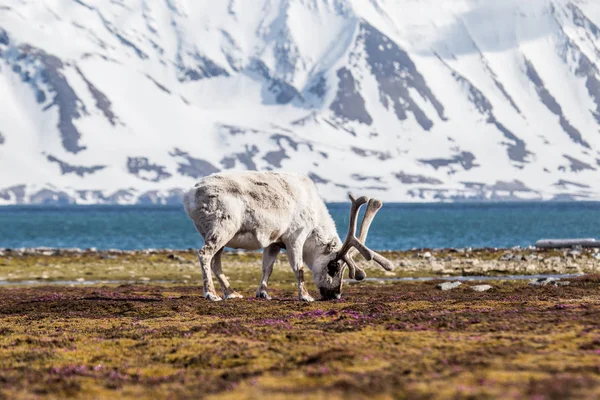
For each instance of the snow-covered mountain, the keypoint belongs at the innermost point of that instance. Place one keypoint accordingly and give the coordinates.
(407, 100)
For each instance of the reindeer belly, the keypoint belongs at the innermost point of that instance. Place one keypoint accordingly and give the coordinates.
(248, 241)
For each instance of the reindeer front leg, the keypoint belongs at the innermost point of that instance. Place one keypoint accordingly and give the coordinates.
(294, 254)
(268, 259)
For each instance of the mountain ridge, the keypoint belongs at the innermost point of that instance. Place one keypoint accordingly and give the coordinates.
(403, 100)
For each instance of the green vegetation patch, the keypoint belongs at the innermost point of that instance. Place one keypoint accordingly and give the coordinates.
(397, 340)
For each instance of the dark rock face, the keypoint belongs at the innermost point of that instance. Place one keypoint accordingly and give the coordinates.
(235, 130)
(15, 192)
(474, 185)
(64, 98)
(363, 178)
(371, 153)
(158, 85)
(500, 87)
(95, 195)
(205, 68)
(311, 118)
(40, 96)
(517, 150)
(200, 66)
(47, 196)
(416, 179)
(577, 165)
(52, 83)
(120, 196)
(379, 188)
(275, 158)
(4, 39)
(246, 158)
(317, 179)
(564, 184)
(476, 191)
(102, 102)
(145, 170)
(396, 73)
(498, 190)
(580, 20)
(173, 197)
(109, 27)
(493, 75)
(349, 104)
(193, 167)
(66, 168)
(514, 186)
(319, 87)
(2, 138)
(228, 162)
(552, 105)
(282, 91)
(586, 68)
(465, 159)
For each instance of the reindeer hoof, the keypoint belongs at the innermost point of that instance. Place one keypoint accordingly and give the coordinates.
(234, 295)
(212, 297)
(263, 295)
(306, 297)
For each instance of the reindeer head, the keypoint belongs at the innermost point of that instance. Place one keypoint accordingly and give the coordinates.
(334, 263)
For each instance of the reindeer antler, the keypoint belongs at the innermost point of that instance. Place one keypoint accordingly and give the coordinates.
(351, 239)
(356, 204)
(372, 208)
(353, 242)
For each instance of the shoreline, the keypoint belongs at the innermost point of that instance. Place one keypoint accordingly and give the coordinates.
(153, 265)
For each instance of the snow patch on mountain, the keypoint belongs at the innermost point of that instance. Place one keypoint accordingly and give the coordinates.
(451, 100)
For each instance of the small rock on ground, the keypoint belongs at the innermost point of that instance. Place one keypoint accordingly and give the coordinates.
(448, 285)
(548, 281)
(574, 253)
(178, 258)
(481, 288)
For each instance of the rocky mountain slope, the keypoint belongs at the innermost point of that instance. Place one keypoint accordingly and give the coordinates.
(407, 100)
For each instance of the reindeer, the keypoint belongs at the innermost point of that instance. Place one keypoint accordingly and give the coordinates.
(273, 211)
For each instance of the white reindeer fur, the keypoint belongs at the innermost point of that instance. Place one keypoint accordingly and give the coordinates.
(269, 210)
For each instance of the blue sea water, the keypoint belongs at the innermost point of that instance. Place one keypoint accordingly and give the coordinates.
(397, 226)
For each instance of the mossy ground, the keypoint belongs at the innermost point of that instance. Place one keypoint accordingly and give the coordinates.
(393, 340)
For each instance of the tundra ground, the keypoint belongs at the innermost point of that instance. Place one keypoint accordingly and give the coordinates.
(154, 339)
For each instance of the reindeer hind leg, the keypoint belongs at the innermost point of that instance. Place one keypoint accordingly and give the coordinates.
(228, 291)
(213, 243)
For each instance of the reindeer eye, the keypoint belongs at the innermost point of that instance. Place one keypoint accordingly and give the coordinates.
(332, 268)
